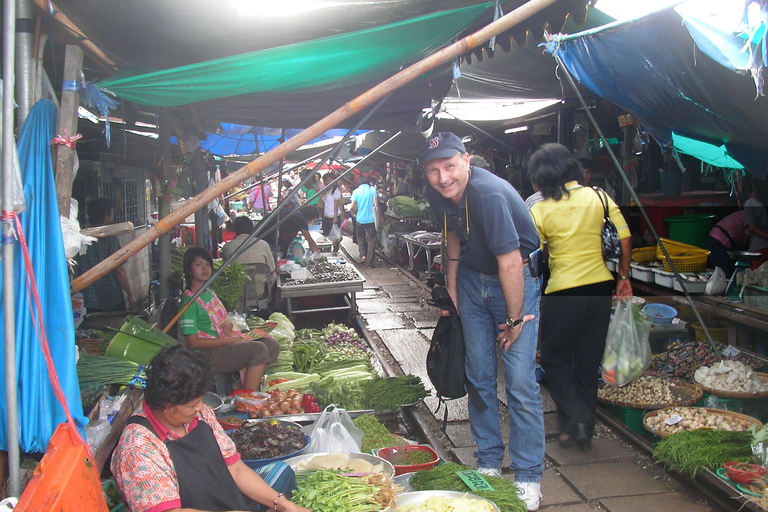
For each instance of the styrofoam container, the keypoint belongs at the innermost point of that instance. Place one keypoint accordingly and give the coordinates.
(641, 273)
(696, 286)
(664, 278)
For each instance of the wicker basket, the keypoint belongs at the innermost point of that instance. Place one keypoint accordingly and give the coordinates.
(717, 329)
(684, 394)
(737, 394)
(642, 254)
(730, 414)
(686, 258)
(91, 346)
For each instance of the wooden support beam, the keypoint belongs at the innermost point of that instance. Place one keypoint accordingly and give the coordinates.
(67, 127)
(108, 230)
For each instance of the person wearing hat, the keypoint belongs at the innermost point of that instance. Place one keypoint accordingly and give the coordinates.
(489, 237)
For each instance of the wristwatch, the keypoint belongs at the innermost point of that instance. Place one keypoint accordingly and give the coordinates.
(623, 278)
(513, 323)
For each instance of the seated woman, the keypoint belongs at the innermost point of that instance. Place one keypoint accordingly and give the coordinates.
(208, 332)
(174, 455)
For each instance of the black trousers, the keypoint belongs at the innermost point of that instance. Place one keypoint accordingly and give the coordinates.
(574, 324)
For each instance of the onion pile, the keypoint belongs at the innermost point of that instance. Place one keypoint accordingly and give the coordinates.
(677, 419)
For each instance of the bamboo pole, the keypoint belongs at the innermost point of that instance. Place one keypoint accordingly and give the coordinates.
(328, 122)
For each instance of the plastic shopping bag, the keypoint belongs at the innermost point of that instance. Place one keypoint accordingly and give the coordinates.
(333, 431)
(335, 233)
(627, 351)
(717, 283)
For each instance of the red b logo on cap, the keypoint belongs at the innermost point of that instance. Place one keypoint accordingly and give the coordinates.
(433, 142)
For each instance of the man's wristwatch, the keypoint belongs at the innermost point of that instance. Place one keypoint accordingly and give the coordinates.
(513, 323)
(623, 278)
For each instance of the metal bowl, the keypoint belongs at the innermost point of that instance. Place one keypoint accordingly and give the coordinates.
(419, 497)
(389, 470)
(213, 401)
(744, 255)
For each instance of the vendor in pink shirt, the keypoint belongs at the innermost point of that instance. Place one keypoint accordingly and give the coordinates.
(729, 234)
(174, 455)
(259, 198)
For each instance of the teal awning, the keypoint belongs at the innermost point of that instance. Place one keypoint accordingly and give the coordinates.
(709, 153)
(321, 64)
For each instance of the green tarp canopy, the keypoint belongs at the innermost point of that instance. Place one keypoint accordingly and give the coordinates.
(317, 65)
(709, 153)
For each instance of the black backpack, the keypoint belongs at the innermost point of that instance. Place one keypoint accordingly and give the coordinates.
(445, 359)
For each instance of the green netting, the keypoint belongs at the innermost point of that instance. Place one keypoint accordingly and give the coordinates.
(320, 64)
(713, 155)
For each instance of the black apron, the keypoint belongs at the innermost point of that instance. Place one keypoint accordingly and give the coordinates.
(205, 483)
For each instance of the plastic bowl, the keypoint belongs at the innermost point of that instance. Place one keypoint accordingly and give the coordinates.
(741, 476)
(660, 313)
(396, 455)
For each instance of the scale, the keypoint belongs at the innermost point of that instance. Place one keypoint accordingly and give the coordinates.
(744, 260)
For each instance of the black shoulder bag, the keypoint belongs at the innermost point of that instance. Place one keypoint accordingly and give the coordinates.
(610, 235)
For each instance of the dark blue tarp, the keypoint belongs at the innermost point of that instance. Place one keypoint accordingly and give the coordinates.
(39, 411)
(652, 68)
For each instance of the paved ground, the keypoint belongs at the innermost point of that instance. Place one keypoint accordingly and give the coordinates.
(612, 476)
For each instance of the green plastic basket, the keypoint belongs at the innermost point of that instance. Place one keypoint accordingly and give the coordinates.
(690, 229)
(631, 417)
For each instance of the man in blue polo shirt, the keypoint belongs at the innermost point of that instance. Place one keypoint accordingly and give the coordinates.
(489, 237)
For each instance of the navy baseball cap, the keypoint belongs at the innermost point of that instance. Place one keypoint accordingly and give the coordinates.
(440, 145)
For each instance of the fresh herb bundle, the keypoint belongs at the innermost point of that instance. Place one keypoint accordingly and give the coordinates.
(695, 450)
(392, 393)
(375, 435)
(444, 478)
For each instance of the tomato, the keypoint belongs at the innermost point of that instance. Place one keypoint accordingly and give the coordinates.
(313, 407)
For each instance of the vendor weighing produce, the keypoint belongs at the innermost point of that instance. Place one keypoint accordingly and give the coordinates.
(174, 455)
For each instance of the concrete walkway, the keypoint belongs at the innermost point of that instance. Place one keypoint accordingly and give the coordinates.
(611, 477)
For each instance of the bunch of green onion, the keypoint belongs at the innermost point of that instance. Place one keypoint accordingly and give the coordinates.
(96, 371)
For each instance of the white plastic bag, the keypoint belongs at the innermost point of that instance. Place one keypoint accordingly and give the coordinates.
(333, 431)
(335, 234)
(717, 283)
(627, 351)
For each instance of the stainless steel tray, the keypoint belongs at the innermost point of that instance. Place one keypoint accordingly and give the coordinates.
(419, 497)
(389, 470)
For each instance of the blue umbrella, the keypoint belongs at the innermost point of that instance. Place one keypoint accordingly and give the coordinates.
(39, 410)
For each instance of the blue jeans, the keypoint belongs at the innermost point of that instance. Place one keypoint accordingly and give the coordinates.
(482, 309)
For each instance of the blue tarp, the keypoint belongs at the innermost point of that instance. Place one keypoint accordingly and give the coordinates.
(238, 139)
(652, 68)
(39, 411)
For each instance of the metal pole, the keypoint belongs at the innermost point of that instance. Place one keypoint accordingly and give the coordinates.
(9, 299)
(631, 189)
(332, 120)
(164, 206)
(25, 33)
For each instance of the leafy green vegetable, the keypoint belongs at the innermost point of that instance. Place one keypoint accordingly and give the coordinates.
(695, 450)
(327, 491)
(390, 394)
(375, 435)
(444, 478)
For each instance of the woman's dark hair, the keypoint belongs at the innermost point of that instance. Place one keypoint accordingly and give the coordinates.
(363, 180)
(551, 167)
(176, 376)
(189, 257)
(329, 177)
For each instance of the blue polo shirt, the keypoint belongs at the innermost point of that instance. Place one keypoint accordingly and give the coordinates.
(499, 222)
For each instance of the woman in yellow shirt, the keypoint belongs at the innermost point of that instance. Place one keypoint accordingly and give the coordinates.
(576, 307)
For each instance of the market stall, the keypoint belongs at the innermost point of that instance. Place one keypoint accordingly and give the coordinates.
(420, 242)
(332, 281)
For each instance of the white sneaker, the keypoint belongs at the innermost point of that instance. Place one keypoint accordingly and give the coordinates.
(530, 493)
(490, 472)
